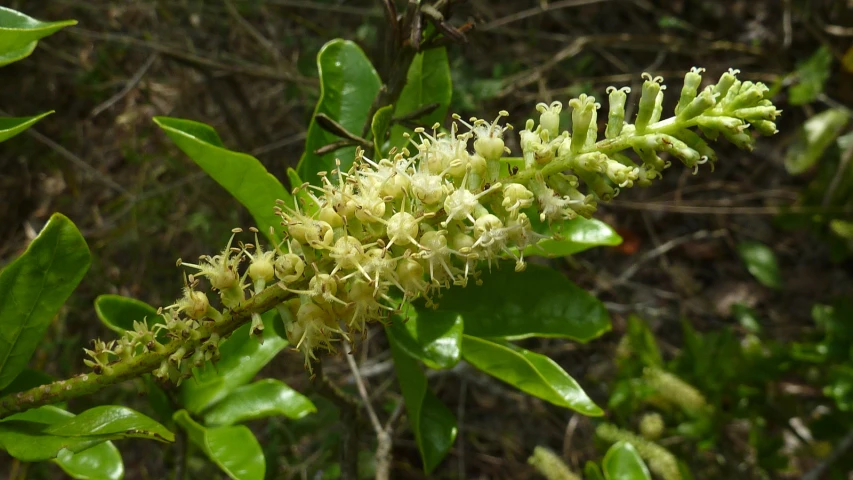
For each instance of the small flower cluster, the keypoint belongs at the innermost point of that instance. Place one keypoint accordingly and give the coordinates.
(372, 237)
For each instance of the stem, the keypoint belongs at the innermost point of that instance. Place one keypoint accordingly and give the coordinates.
(89, 383)
(608, 147)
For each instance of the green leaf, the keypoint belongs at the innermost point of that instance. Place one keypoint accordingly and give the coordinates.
(118, 313)
(623, 462)
(34, 288)
(233, 449)
(433, 424)
(814, 137)
(746, 317)
(113, 421)
(592, 471)
(812, 74)
(530, 372)
(101, 462)
(348, 86)
(538, 302)
(432, 337)
(11, 126)
(241, 359)
(242, 175)
(379, 127)
(264, 398)
(574, 236)
(19, 34)
(642, 342)
(761, 263)
(427, 82)
(40, 434)
(306, 203)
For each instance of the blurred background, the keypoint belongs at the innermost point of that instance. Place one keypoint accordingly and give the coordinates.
(248, 69)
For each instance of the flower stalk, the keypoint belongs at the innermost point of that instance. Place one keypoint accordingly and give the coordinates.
(386, 231)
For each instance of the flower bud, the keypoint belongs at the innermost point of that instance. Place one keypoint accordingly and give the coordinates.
(648, 102)
(289, 267)
(727, 80)
(697, 106)
(616, 115)
(583, 110)
(692, 80)
(549, 120)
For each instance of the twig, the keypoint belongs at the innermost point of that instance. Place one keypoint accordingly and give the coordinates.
(817, 472)
(131, 84)
(663, 248)
(65, 153)
(530, 12)
(89, 383)
(253, 32)
(383, 435)
(260, 71)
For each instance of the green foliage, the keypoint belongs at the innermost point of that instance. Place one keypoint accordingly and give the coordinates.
(574, 236)
(233, 449)
(118, 313)
(811, 75)
(242, 175)
(432, 423)
(242, 358)
(40, 434)
(623, 462)
(761, 263)
(813, 139)
(11, 126)
(19, 34)
(348, 85)
(530, 372)
(264, 398)
(538, 302)
(101, 462)
(433, 337)
(34, 288)
(428, 83)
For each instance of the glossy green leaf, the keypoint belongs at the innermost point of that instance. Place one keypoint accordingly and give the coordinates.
(592, 471)
(348, 86)
(118, 313)
(242, 175)
(428, 81)
(812, 75)
(379, 126)
(814, 137)
(530, 372)
(113, 421)
(432, 337)
(623, 462)
(574, 236)
(264, 398)
(11, 126)
(22, 435)
(761, 263)
(101, 462)
(19, 34)
(432, 423)
(242, 357)
(31, 436)
(233, 449)
(34, 288)
(538, 302)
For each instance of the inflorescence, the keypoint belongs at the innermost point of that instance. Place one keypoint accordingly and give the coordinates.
(374, 236)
